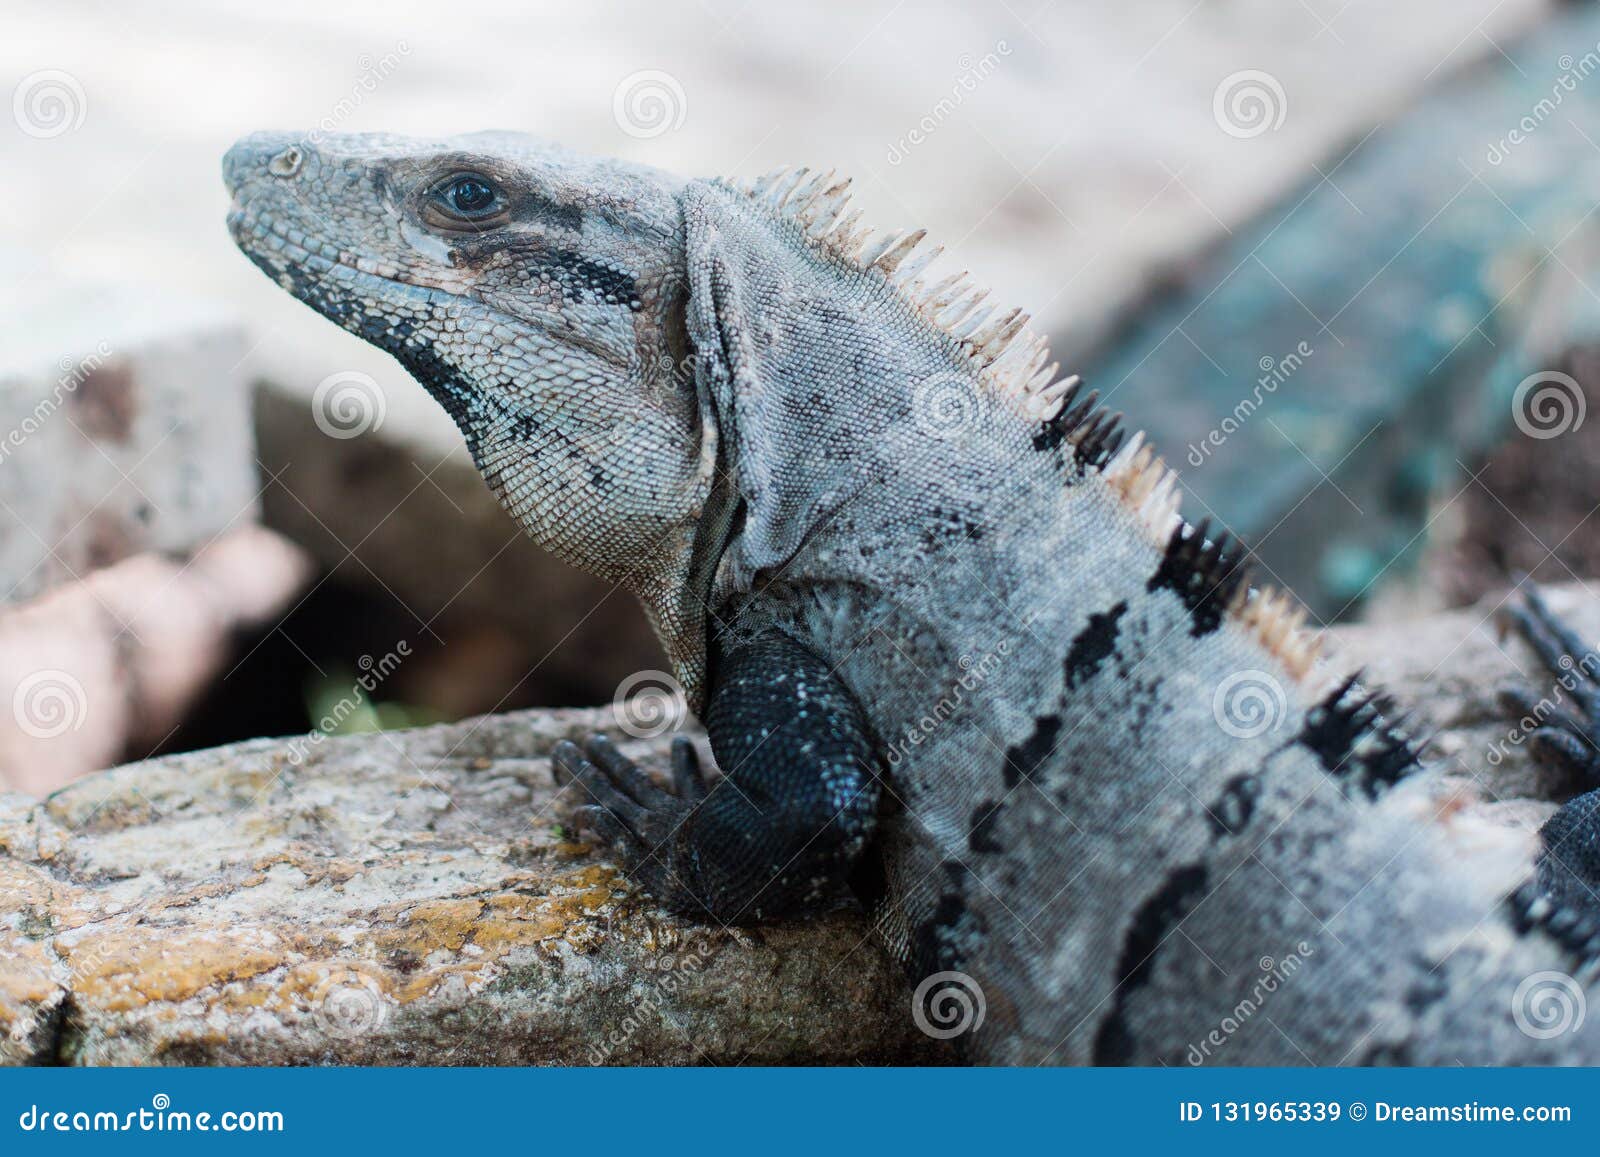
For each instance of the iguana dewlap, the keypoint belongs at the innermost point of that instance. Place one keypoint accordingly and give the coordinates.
(952, 643)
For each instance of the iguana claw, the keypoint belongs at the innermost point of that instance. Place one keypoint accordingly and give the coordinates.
(1564, 738)
(626, 810)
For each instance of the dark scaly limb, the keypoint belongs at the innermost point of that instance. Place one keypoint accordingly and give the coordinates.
(780, 831)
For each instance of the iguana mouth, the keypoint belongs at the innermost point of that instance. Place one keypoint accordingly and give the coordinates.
(284, 260)
(248, 230)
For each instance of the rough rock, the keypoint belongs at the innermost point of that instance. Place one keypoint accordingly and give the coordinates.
(393, 898)
(408, 898)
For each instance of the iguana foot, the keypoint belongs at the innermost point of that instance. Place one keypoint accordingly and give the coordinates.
(629, 814)
(781, 831)
(1564, 895)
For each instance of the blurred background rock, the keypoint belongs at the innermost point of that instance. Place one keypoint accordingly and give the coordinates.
(1185, 193)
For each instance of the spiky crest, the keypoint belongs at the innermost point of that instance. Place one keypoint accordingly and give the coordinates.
(1014, 361)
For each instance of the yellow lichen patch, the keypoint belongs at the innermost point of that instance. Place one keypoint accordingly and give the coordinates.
(515, 918)
(430, 926)
(25, 979)
(420, 985)
(316, 869)
(128, 968)
(307, 985)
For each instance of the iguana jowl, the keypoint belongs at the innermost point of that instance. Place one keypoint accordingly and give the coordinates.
(952, 644)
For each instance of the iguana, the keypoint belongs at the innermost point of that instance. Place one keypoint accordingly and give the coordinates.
(955, 649)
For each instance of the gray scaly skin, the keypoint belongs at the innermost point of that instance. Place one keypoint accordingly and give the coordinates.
(953, 646)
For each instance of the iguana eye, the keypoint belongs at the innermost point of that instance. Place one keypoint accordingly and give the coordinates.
(468, 198)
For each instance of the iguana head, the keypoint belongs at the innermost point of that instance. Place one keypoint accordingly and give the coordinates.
(677, 385)
(537, 293)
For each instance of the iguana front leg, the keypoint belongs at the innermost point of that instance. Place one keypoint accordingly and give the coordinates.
(1565, 893)
(779, 832)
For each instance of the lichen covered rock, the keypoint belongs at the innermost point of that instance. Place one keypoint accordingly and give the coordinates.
(398, 898)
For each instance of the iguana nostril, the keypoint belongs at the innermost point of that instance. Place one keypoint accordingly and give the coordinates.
(287, 163)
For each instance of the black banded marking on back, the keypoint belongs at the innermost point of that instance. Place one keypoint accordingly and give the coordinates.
(1155, 921)
(941, 942)
(980, 835)
(1089, 648)
(1357, 738)
(1206, 573)
(1093, 645)
(1023, 759)
(1094, 433)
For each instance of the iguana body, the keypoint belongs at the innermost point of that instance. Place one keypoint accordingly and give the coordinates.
(953, 645)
